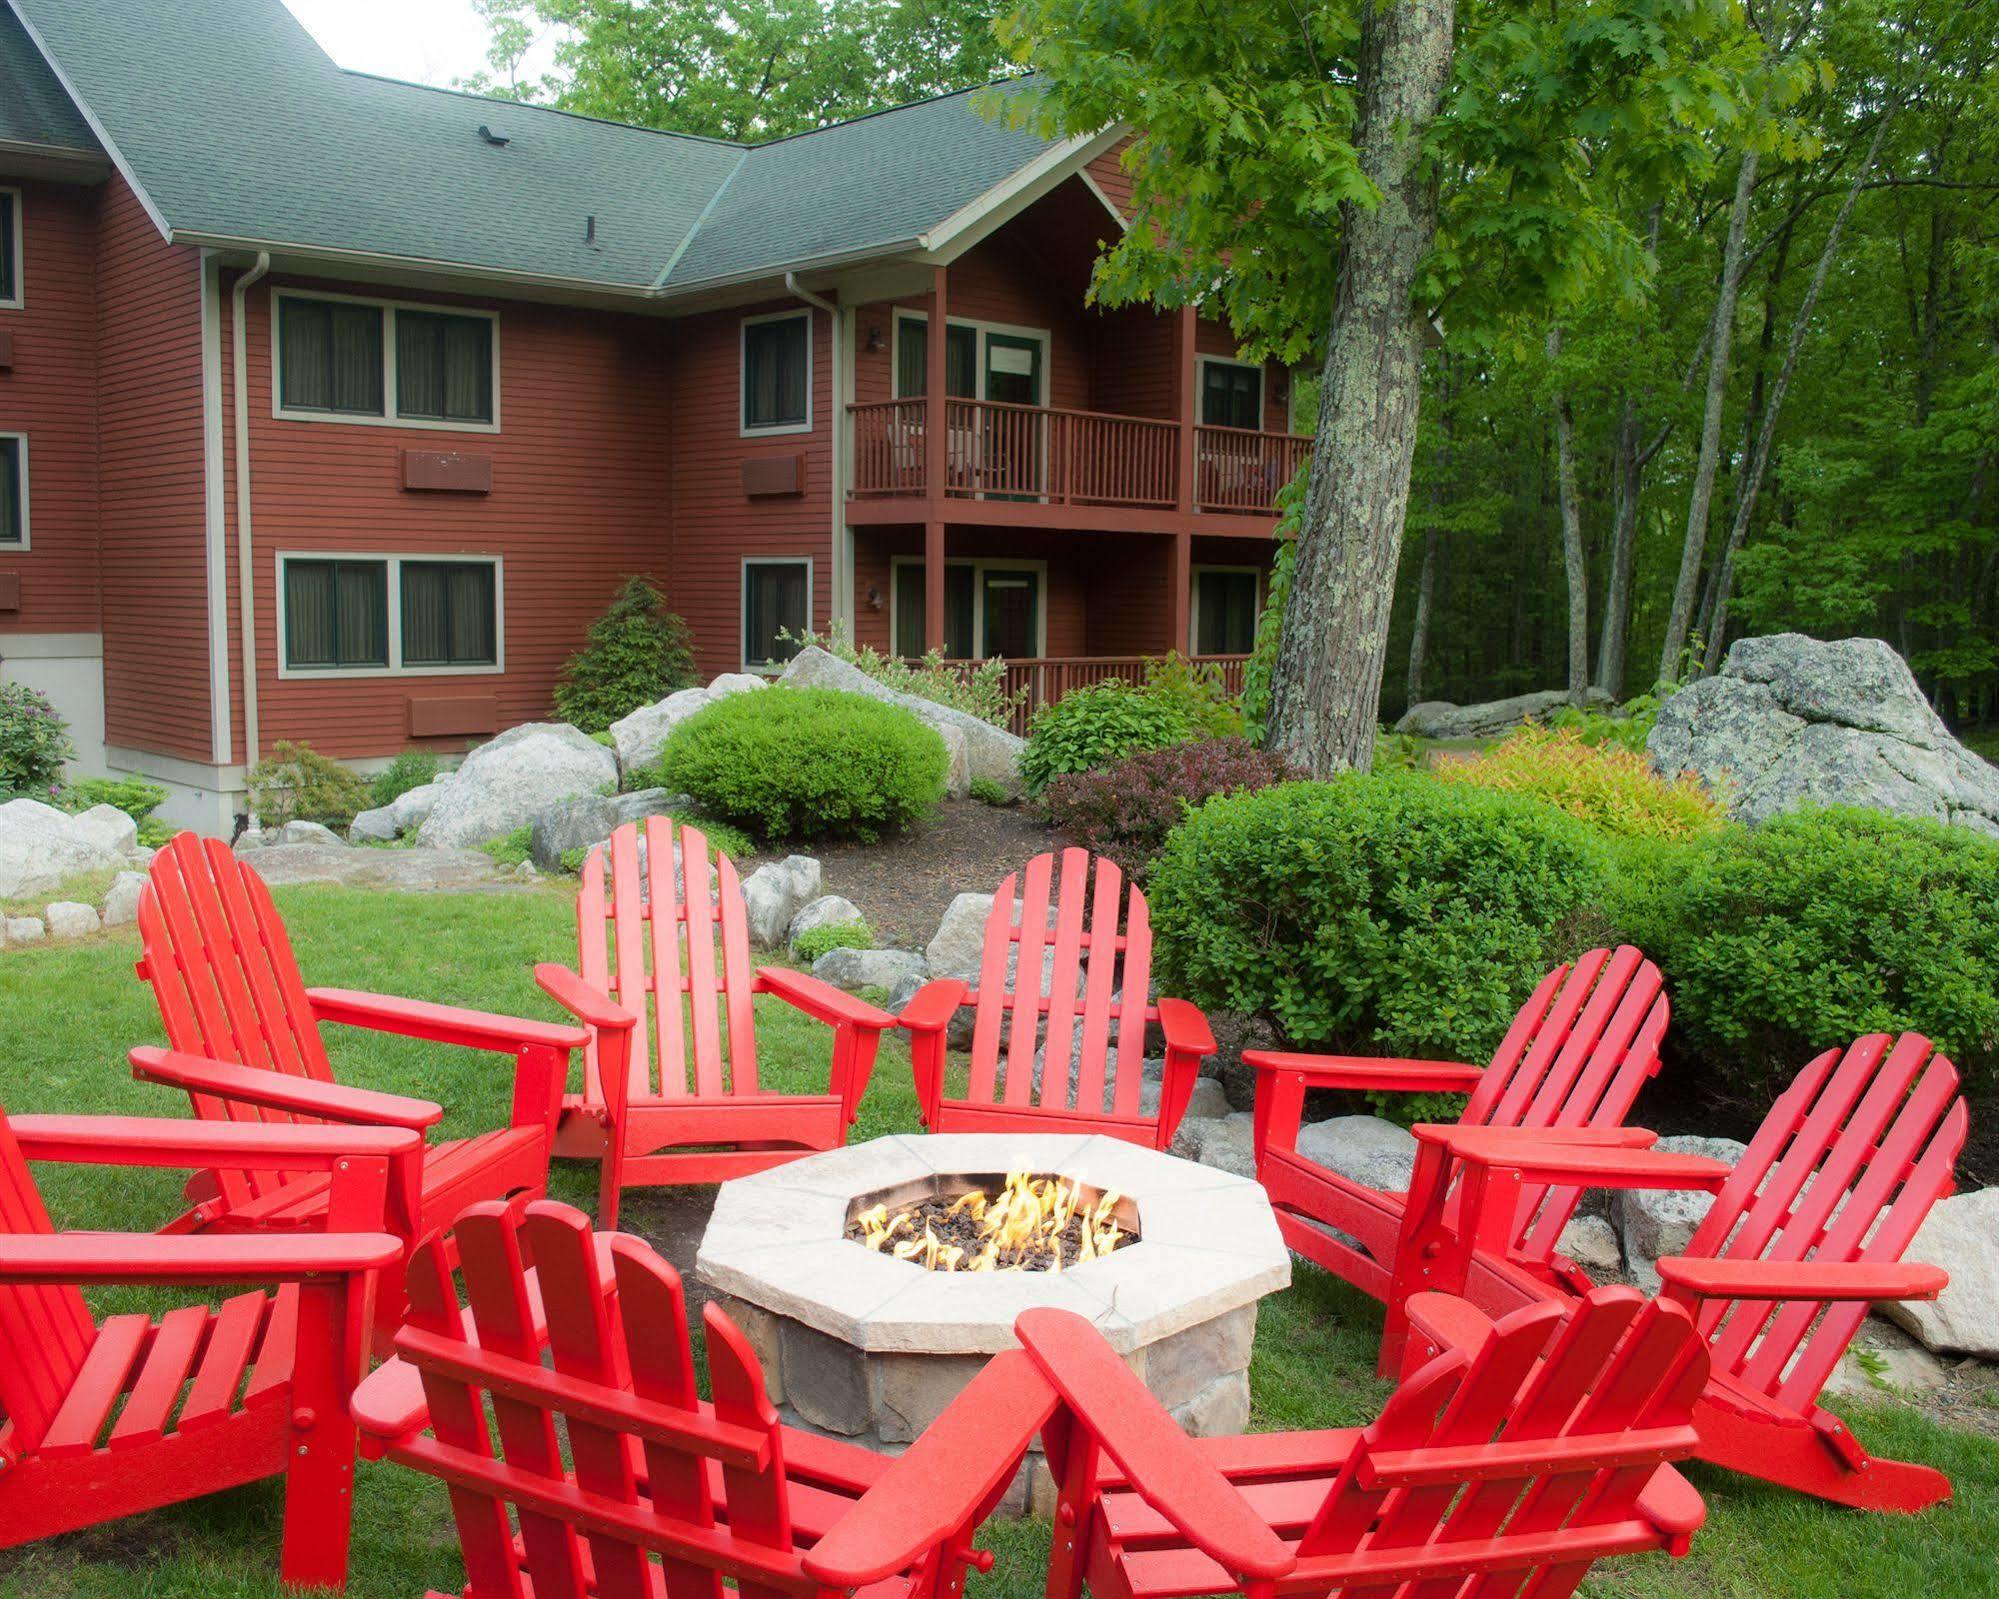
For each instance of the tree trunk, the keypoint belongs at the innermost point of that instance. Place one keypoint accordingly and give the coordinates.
(1623, 548)
(1419, 632)
(1575, 559)
(1695, 545)
(1326, 689)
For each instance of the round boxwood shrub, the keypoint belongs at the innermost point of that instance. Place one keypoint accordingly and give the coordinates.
(1782, 941)
(1371, 911)
(1097, 725)
(803, 763)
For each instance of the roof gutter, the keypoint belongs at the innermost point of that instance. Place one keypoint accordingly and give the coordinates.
(245, 568)
(842, 578)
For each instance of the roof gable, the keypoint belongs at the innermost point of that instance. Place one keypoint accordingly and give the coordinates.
(34, 110)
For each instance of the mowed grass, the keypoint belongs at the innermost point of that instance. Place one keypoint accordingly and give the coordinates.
(72, 1012)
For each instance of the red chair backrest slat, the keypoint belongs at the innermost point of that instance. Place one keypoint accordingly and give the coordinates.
(676, 955)
(1844, 1168)
(45, 1328)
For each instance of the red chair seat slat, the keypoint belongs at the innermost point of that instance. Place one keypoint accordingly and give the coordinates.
(223, 1362)
(278, 1352)
(156, 1389)
(106, 1373)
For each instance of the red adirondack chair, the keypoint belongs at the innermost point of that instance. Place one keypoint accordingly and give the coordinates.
(711, 1489)
(677, 1100)
(214, 1396)
(1575, 1057)
(1504, 1467)
(1087, 1020)
(1805, 1230)
(245, 1044)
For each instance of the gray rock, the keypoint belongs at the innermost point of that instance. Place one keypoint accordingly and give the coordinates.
(26, 930)
(1218, 1410)
(1369, 1150)
(904, 991)
(40, 845)
(250, 838)
(1225, 1142)
(958, 760)
(67, 918)
(989, 751)
(589, 819)
(1792, 721)
(121, 903)
(376, 826)
(1961, 1234)
(1442, 719)
(107, 827)
(526, 872)
(1658, 1222)
(1886, 1361)
(828, 910)
(855, 969)
(735, 683)
(403, 814)
(1591, 1242)
(1183, 1365)
(1209, 1100)
(954, 949)
(306, 833)
(777, 891)
(418, 870)
(639, 737)
(507, 782)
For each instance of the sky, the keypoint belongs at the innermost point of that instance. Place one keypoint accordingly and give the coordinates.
(424, 41)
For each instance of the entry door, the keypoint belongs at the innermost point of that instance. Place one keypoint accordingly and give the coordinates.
(1014, 446)
(1012, 620)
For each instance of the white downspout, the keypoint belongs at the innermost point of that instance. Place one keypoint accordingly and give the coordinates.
(245, 569)
(843, 580)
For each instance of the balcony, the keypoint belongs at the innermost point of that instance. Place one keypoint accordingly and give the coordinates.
(999, 454)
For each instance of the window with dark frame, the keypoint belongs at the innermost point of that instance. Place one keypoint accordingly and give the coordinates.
(449, 616)
(444, 367)
(960, 591)
(1231, 395)
(1226, 624)
(336, 614)
(13, 491)
(10, 224)
(330, 357)
(776, 358)
(775, 595)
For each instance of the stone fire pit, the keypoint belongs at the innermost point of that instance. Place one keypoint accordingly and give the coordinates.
(872, 1348)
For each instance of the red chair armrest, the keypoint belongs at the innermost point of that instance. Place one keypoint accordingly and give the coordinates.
(1674, 1506)
(821, 1000)
(1366, 1072)
(1539, 1158)
(1810, 1279)
(1158, 1459)
(441, 1024)
(1447, 1322)
(190, 1260)
(151, 1141)
(929, 1010)
(931, 1494)
(1186, 1029)
(304, 1096)
(588, 1005)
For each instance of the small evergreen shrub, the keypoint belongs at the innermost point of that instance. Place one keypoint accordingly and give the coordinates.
(1796, 936)
(295, 783)
(34, 743)
(989, 791)
(1097, 725)
(1607, 785)
(411, 769)
(804, 763)
(1371, 911)
(637, 652)
(816, 941)
(977, 688)
(1126, 809)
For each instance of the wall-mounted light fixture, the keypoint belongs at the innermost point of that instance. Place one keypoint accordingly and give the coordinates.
(874, 598)
(877, 341)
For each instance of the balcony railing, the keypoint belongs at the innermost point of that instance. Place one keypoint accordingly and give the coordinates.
(1049, 456)
(1048, 678)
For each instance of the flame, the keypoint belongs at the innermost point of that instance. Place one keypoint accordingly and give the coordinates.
(1030, 1215)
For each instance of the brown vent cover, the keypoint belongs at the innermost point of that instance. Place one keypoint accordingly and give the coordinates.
(770, 476)
(10, 591)
(461, 713)
(6, 349)
(451, 471)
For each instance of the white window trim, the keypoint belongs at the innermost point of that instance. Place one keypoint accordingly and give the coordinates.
(390, 417)
(979, 566)
(8, 547)
(766, 668)
(984, 330)
(1194, 599)
(744, 430)
(19, 298)
(394, 563)
(1201, 362)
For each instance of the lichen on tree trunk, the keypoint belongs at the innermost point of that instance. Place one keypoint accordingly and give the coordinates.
(1326, 690)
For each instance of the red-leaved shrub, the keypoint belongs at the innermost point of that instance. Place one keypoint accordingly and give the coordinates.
(1126, 809)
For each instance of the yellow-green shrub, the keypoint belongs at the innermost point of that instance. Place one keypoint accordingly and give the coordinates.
(1613, 789)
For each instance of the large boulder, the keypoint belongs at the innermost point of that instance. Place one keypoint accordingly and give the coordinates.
(40, 845)
(1660, 1221)
(109, 828)
(828, 910)
(1369, 1150)
(1792, 721)
(639, 737)
(403, 814)
(589, 819)
(990, 751)
(777, 891)
(509, 781)
(1961, 1234)
(856, 969)
(1442, 719)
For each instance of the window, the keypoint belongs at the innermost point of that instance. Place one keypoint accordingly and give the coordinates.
(912, 354)
(10, 248)
(1224, 611)
(777, 373)
(777, 599)
(1231, 395)
(330, 356)
(13, 491)
(960, 585)
(991, 608)
(377, 614)
(444, 367)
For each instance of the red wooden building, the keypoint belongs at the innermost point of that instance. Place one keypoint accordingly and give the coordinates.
(334, 408)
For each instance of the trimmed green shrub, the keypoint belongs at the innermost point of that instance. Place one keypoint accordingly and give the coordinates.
(816, 941)
(637, 652)
(1782, 941)
(34, 743)
(989, 791)
(1097, 725)
(295, 783)
(134, 796)
(802, 763)
(411, 769)
(1384, 911)
(1607, 785)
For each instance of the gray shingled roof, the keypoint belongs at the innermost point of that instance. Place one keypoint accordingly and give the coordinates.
(33, 108)
(238, 126)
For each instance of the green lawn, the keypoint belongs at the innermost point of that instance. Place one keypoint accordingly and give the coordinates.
(74, 1010)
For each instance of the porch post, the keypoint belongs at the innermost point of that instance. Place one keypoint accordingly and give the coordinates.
(1184, 399)
(936, 460)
